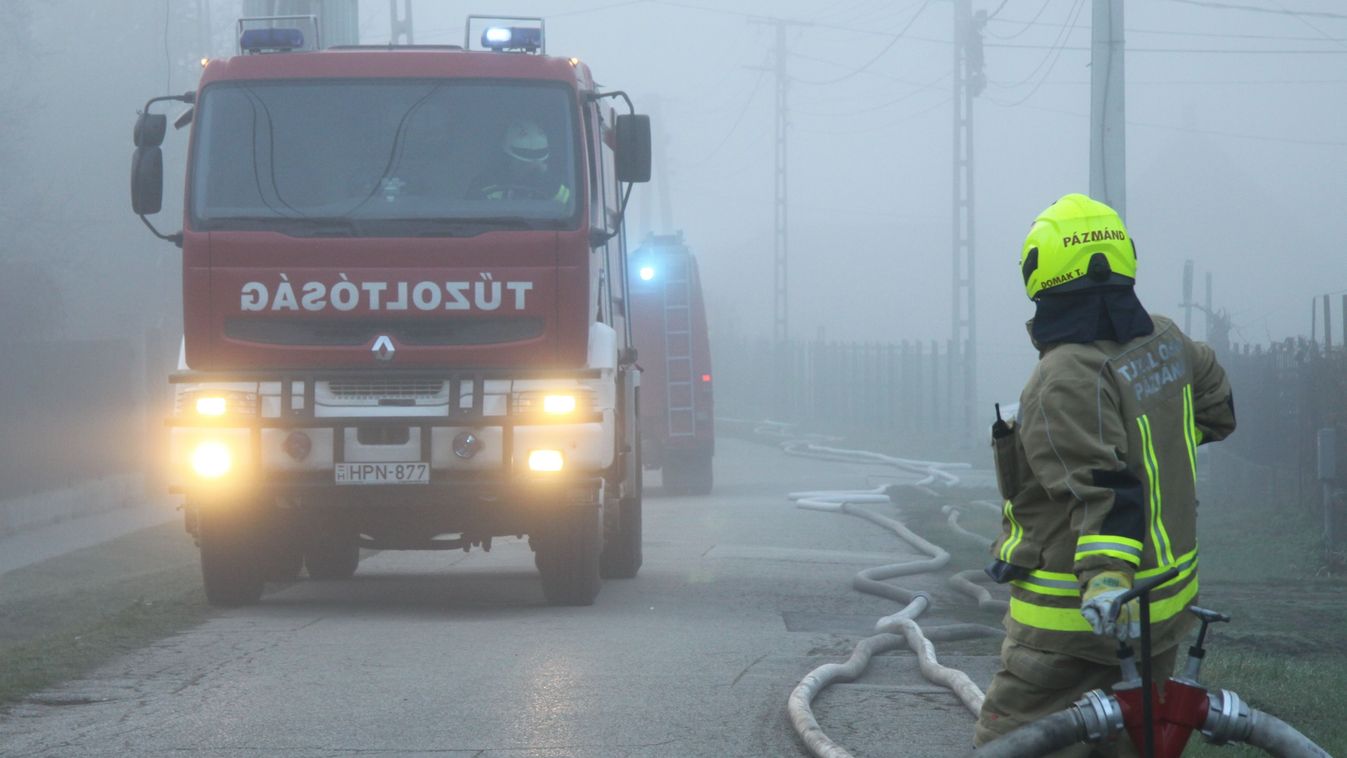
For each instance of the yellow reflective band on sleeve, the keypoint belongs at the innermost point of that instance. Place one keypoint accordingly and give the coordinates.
(1055, 619)
(1190, 432)
(1187, 564)
(1163, 553)
(1016, 534)
(1050, 583)
(1123, 548)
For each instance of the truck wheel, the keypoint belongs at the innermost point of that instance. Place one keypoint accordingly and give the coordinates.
(231, 571)
(284, 562)
(331, 557)
(568, 557)
(621, 557)
(689, 474)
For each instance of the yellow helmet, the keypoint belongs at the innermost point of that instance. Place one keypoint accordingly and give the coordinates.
(1076, 244)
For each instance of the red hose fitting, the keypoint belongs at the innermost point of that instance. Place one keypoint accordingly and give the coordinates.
(1183, 709)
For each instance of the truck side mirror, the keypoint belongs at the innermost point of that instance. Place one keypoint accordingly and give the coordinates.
(633, 148)
(147, 180)
(150, 128)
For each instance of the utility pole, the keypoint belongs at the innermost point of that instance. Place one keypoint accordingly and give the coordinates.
(1187, 304)
(400, 24)
(780, 206)
(969, 81)
(1108, 155)
(338, 20)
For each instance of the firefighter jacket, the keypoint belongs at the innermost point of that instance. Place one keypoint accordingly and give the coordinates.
(1099, 472)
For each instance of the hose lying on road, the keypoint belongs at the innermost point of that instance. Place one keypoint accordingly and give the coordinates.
(1047, 735)
(900, 628)
(1066, 728)
(1276, 737)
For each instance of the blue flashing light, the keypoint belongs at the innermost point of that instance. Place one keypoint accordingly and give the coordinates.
(501, 38)
(646, 273)
(273, 40)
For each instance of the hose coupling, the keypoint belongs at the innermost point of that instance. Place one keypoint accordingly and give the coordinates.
(1101, 715)
(1228, 718)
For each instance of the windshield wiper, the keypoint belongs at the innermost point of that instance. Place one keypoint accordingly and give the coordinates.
(296, 226)
(471, 226)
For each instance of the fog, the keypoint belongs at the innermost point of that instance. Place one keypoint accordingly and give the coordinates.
(1235, 153)
(1236, 160)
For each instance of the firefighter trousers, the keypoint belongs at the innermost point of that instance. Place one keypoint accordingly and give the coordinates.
(1033, 684)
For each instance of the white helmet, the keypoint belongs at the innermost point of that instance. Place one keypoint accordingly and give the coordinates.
(524, 141)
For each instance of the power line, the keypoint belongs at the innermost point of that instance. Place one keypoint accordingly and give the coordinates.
(878, 55)
(1051, 59)
(1257, 9)
(734, 126)
(1191, 130)
(1027, 24)
(1183, 50)
(1176, 32)
(1306, 22)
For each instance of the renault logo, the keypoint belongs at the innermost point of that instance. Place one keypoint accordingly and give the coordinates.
(383, 349)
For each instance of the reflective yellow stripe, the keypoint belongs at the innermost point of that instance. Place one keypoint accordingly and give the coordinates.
(1190, 433)
(1119, 554)
(1122, 548)
(1066, 585)
(1070, 620)
(1163, 553)
(1016, 534)
(1061, 585)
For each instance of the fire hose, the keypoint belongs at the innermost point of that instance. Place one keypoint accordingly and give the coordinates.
(1221, 715)
(899, 629)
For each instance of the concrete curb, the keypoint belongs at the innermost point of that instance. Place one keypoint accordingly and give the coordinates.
(53, 506)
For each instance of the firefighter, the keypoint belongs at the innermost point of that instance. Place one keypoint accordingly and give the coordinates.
(521, 171)
(1098, 471)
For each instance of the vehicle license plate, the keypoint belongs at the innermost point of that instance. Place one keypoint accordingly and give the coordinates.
(382, 473)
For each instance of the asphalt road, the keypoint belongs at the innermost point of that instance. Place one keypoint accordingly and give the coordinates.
(427, 654)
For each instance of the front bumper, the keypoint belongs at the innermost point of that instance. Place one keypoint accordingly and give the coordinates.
(257, 444)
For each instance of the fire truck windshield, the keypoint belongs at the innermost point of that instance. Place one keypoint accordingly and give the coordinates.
(384, 157)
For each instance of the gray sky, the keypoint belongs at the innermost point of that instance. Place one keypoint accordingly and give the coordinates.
(1235, 160)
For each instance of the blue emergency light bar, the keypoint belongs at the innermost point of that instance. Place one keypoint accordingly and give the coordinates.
(503, 38)
(271, 40)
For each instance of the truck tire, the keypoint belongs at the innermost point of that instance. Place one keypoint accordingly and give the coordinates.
(689, 473)
(231, 570)
(284, 561)
(622, 558)
(568, 556)
(331, 557)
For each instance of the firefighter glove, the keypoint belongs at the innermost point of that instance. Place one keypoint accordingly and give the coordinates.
(1099, 606)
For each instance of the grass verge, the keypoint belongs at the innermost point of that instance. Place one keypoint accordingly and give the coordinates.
(1284, 651)
(65, 616)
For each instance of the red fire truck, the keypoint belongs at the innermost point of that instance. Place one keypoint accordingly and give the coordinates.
(403, 303)
(668, 317)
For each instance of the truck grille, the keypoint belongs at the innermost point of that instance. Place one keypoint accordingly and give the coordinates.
(343, 333)
(386, 389)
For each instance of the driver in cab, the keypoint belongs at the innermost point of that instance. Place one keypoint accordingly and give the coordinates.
(521, 173)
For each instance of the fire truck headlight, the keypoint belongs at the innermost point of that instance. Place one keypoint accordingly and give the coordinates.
(555, 402)
(558, 405)
(647, 273)
(218, 403)
(212, 460)
(545, 460)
